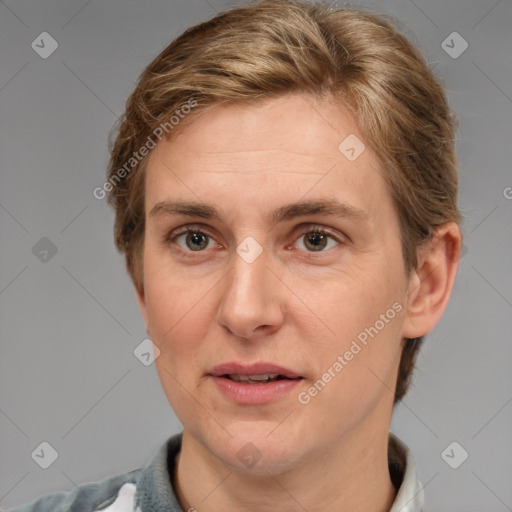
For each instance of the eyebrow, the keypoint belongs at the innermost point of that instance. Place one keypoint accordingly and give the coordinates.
(290, 211)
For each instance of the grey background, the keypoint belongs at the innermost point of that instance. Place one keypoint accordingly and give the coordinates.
(69, 325)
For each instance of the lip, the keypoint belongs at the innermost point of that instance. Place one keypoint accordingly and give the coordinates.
(253, 394)
(252, 369)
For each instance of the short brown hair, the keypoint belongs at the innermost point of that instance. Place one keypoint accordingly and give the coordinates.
(275, 47)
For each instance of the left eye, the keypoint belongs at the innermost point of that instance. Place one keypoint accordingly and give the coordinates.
(317, 240)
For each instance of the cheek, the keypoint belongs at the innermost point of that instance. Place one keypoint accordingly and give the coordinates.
(178, 318)
(361, 316)
(170, 294)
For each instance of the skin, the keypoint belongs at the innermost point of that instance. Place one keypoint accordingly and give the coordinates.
(292, 306)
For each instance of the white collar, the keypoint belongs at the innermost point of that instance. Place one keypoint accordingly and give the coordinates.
(410, 497)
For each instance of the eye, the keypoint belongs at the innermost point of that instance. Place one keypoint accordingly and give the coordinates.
(317, 239)
(192, 239)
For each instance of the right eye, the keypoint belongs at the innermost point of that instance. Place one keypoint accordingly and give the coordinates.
(191, 239)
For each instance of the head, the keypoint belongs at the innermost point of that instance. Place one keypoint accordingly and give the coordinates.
(246, 114)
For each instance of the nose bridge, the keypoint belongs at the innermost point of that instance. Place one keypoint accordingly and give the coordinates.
(250, 297)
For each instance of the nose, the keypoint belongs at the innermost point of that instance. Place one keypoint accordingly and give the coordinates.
(252, 301)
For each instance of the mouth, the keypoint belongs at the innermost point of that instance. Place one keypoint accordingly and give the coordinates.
(254, 384)
(256, 379)
(256, 373)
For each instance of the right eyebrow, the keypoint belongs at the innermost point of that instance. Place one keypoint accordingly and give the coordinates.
(191, 209)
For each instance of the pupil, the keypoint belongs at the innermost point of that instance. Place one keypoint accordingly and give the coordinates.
(318, 241)
(197, 240)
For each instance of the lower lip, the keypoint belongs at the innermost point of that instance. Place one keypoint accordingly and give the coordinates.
(255, 394)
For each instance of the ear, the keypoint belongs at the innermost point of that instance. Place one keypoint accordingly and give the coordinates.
(141, 300)
(430, 285)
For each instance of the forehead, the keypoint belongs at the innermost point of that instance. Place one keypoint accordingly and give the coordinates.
(281, 149)
(300, 124)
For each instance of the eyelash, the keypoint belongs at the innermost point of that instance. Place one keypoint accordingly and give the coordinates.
(195, 229)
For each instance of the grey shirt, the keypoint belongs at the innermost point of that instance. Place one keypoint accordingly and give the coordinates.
(150, 489)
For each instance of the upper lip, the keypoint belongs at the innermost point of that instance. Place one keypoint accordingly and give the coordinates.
(252, 369)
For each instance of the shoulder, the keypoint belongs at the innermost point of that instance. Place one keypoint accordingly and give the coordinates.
(88, 497)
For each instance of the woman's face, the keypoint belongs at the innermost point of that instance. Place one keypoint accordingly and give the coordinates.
(293, 267)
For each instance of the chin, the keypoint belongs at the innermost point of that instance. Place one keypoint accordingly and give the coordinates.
(253, 451)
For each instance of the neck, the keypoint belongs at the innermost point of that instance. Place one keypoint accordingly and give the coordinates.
(339, 479)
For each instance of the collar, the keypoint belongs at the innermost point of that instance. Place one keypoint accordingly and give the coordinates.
(402, 468)
(155, 491)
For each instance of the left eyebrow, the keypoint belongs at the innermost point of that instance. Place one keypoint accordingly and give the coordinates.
(319, 207)
(284, 213)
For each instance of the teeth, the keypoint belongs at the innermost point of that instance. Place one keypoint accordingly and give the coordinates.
(254, 378)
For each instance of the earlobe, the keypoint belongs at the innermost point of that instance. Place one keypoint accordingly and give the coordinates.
(431, 284)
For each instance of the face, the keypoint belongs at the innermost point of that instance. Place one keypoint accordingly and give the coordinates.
(268, 250)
